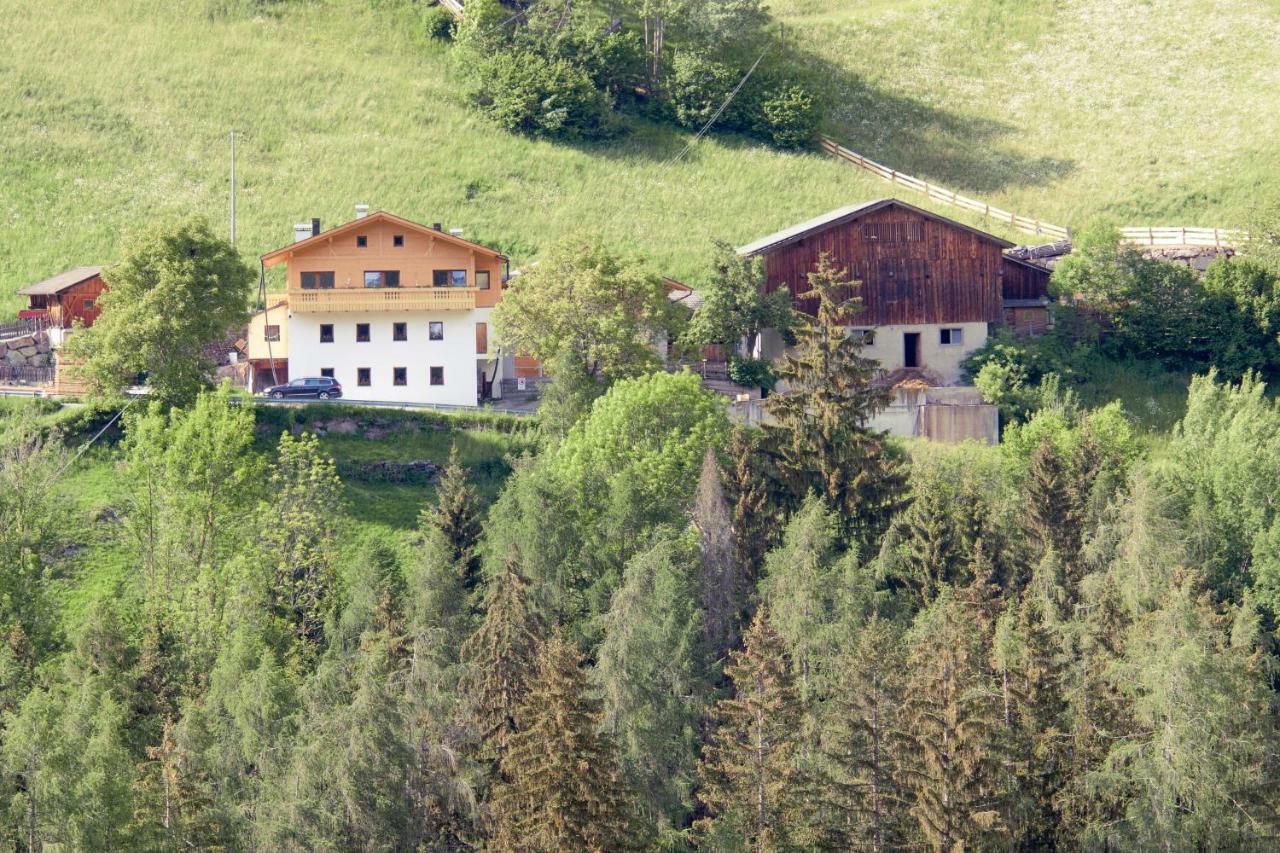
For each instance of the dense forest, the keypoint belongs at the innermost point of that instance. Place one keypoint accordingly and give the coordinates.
(664, 632)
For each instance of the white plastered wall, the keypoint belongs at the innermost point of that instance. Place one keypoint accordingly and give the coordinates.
(456, 353)
(888, 347)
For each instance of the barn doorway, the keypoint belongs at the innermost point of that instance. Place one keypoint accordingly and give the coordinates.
(911, 349)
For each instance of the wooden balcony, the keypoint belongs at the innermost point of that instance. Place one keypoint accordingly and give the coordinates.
(355, 300)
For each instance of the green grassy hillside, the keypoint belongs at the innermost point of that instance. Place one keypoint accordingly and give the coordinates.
(116, 111)
(1154, 112)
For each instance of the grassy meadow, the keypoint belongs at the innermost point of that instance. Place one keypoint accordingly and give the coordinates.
(117, 111)
(1151, 112)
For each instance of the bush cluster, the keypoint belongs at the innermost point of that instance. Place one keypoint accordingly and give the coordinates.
(564, 71)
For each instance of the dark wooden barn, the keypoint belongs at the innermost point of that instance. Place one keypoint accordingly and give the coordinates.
(915, 267)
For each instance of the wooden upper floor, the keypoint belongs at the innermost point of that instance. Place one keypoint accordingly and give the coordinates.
(914, 266)
(382, 262)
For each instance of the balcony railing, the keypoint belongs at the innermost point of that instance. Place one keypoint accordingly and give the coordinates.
(352, 299)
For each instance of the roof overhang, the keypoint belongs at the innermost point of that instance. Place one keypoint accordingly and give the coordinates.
(283, 254)
(834, 218)
(60, 282)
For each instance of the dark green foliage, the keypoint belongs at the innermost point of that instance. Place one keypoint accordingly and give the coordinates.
(457, 520)
(558, 785)
(653, 686)
(526, 92)
(567, 70)
(862, 740)
(951, 741)
(787, 115)
(752, 373)
(820, 434)
(754, 790)
(499, 658)
(439, 23)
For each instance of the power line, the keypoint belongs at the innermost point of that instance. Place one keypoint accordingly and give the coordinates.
(85, 447)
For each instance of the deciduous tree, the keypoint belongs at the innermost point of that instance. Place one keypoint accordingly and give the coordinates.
(177, 289)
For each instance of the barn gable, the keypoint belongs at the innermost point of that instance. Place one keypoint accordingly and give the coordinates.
(915, 267)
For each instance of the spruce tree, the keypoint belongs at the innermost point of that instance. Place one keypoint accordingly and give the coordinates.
(300, 538)
(559, 785)
(951, 719)
(721, 595)
(820, 436)
(652, 680)
(1028, 654)
(499, 659)
(1054, 515)
(456, 516)
(931, 553)
(754, 788)
(753, 515)
(862, 742)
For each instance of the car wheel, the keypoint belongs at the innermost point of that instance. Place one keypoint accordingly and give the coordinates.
(324, 395)
(277, 395)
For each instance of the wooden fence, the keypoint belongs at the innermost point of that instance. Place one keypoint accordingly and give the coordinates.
(1139, 235)
(21, 328)
(24, 375)
(946, 196)
(1220, 238)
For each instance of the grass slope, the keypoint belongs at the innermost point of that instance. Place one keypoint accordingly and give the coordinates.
(117, 111)
(1154, 112)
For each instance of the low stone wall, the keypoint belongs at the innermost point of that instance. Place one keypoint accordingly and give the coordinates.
(31, 350)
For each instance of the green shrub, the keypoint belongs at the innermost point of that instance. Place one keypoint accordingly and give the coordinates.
(525, 92)
(787, 116)
(697, 86)
(752, 373)
(439, 23)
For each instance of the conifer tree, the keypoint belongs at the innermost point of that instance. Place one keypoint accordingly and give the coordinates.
(456, 516)
(867, 805)
(1028, 657)
(499, 658)
(1054, 516)
(755, 791)
(752, 514)
(932, 552)
(722, 589)
(651, 679)
(300, 538)
(802, 589)
(820, 435)
(1197, 772)
(951, 718)
(559, 787)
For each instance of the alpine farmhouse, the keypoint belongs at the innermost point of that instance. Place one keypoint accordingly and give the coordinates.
(932, 288)
(394, 310)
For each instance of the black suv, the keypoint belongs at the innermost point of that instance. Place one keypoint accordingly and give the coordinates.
(322, 387)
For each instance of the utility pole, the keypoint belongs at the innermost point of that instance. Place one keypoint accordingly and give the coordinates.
(233, 187)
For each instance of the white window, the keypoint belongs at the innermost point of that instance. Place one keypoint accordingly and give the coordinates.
(951, 337)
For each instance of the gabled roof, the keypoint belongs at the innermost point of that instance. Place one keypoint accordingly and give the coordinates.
(60, 282)
(284, 252)
(795, 233)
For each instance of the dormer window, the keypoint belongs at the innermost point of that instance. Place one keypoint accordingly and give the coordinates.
(361, 241)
